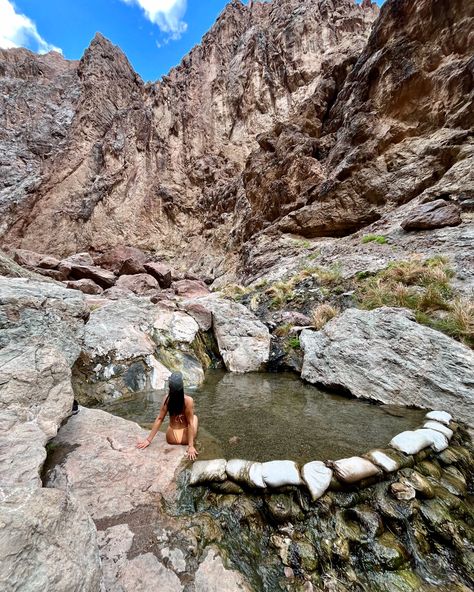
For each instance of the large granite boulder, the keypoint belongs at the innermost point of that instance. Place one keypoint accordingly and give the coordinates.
(123, 489)
(122, 478)
(243, 340)
(48, 542)
(132, 345)
(39, 312)
(386, 355)
(35, 396)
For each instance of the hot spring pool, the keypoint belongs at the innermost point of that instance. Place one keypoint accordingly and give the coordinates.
(276, 416)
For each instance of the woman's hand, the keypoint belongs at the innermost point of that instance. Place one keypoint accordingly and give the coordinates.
(143, 443)
(192, 453)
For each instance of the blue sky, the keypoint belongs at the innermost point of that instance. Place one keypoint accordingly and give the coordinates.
(154, 34)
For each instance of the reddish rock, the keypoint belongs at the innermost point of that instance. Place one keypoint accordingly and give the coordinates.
(27, 258)
(161, 272)
(163, 296)
(79, 259)
(48, 262)
(60, 275)
(141, 283)
(190, 288)
(435, 214)
(114, 259)
(102, 277)
(85, 286)
(116, 293)
(201, 314)
(131, 266)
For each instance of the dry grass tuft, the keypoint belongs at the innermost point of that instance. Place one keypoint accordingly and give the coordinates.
(322, 314)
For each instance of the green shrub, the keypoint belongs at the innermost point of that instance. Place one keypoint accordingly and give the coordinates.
(374, 238)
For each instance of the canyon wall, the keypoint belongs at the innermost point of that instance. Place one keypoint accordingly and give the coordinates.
(291, 116)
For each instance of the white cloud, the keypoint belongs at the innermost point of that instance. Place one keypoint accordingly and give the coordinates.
(17, 30)
(167, 14)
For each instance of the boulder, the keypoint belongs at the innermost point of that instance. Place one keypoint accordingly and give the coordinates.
(140, 284)
(78, 271)
(161, 272)
(386, 355)
(243, 340)
(79, 259)
(35, 397)
(37, 312)
(435, 214)
(114, 259)
(131, 266)
(190, 288)
(59, 275)
(47, 542)
(27, 258)
(132, 345)
(122, 489)
(116, 293)
(200, 314)
(85, 286)
(122, 478)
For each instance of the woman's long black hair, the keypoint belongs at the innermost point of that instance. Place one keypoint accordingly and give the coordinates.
(175, 398)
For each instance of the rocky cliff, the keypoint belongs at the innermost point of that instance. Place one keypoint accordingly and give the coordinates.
(291, 117)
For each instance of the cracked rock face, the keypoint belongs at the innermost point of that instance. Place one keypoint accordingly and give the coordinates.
(159, 165)
(291, 116)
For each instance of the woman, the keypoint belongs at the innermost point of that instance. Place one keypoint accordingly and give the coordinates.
(183, 423)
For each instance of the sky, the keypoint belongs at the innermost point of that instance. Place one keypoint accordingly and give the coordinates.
(154, 34)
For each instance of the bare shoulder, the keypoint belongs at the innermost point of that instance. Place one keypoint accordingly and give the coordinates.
(188, 401)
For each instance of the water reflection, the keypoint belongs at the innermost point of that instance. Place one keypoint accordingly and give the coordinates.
(271, 416)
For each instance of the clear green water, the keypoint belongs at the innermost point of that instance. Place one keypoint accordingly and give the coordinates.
(276, 416)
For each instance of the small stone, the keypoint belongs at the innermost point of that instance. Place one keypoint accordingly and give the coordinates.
(403, 491)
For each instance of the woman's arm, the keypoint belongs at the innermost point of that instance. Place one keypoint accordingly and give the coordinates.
(156, 426)
(189, 412)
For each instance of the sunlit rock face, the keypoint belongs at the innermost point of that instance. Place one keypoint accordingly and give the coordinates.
(291, 116)
(104, 159)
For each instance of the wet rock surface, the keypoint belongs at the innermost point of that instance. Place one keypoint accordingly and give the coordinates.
(391, 535)
(244, 341)
(132, 345)
(362, 352)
